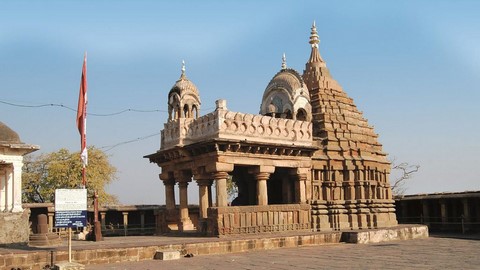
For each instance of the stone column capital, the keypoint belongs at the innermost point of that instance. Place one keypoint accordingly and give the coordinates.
(262, 169)
(164, 176)
(262, 176)
(219, 167)
(169, 182)
(220, 175)
(301, 177)
(204, 182)
(182, 176)
(202, 176)
(183, 184)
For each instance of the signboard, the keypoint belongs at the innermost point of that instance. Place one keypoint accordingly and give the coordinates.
(70, 208)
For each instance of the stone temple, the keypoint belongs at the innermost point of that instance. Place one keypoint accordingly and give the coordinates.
(308, 161)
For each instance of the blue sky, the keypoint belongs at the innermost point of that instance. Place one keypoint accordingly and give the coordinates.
(412, 67)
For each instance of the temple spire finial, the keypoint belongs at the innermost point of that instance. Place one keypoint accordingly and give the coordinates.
(314, 40)
(183, 68)
(284, 62)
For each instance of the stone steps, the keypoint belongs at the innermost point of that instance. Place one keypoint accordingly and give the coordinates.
(44, 240)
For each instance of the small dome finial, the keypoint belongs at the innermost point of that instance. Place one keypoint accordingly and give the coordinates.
(284, 61)
(314, 40)
(183, 68)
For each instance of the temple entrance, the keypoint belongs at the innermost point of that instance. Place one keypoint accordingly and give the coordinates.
(281, 187)
(247, 188)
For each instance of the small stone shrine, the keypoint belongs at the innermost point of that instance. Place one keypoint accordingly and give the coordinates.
(14, 227)
(308, 161)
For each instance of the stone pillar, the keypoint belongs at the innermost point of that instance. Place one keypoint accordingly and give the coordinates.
(125, 222)
(466, 214)
(142, 220)
(50, 221)
(425, 213)
(17, 187)
(300, 188)
(103, 220)
(262, 192)
(3, 182)
(203, 186)
(221, 181)
(169, 193)
(443, 213)
(9, 189)
(184, 223)
(210, 199)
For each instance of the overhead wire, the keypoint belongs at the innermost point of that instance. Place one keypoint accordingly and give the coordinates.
(74, 110)
(107, 147)
(110, 147)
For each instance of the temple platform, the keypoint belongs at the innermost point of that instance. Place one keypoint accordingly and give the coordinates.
(138, 248)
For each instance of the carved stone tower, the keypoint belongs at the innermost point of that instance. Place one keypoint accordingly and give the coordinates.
(350, 172)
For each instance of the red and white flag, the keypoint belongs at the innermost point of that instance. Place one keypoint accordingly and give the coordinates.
(82, 115)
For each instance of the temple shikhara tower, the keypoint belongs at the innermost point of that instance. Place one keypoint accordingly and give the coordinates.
(308, 161)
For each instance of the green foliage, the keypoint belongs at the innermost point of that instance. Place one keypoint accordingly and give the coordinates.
(232, 188)
(43, 174)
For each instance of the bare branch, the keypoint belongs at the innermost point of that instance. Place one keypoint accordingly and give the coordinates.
(406, 172)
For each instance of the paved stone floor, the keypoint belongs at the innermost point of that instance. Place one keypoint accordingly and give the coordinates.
(431, 253)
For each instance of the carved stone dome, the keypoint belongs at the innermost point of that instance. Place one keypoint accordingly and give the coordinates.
(7, 135)
(183, 99)
(184, 87)
(289, 79)
(287, 96)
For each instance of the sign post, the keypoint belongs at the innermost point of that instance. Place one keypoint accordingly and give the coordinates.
(70, 211)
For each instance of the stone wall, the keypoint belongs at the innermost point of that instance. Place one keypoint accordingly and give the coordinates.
(258, 219)
(14, 228)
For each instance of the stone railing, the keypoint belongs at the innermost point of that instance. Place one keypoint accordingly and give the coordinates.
(258, 219)
(224, 124)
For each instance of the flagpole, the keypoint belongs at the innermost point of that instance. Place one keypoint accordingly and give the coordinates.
(84, 143)
(82, 120)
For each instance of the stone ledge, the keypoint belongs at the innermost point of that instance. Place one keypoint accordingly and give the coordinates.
(403, 232)
(95, 254)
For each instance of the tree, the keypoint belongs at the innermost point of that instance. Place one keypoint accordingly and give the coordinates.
(43, 174)
(402, 172)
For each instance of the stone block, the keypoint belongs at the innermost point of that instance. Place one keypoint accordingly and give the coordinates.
(69, 266)
(131, 252)
(167, 255)
(14, 228)
(403, 232)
